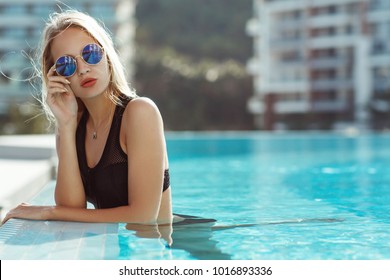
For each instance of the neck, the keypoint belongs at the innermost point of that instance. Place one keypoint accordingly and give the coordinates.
(99, 109)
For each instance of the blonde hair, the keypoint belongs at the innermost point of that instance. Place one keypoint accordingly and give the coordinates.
(59, 22)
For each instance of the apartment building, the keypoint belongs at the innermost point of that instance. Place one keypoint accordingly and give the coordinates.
(320, 64)
(21, 25)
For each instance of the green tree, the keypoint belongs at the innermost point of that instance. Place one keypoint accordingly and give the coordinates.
(24, 118)
(191, 58)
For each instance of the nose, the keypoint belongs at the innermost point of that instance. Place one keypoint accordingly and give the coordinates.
(82, 67)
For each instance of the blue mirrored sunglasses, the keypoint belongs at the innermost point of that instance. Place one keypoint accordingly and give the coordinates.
(66, 65)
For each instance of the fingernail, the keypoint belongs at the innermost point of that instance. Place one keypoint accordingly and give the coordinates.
(67, 81)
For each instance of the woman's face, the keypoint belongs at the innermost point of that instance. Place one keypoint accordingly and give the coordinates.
(88, 80)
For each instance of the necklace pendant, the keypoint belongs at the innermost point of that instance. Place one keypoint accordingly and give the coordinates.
(94, 135)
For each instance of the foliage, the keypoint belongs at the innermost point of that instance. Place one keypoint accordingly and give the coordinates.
(24, 118)
(191, 59)
(200, 29)
(190, 98)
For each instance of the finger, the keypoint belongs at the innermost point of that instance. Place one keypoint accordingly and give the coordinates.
(51, 71)
(57, 90)
(6, 218)
(55, 85)
(59, 79)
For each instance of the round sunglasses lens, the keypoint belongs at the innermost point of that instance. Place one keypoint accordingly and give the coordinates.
(92, 54)
(66, 66)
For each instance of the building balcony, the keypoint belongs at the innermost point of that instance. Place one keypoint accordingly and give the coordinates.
(378, 16)
(297, 63)
(330, 20)
(253, 66)
(380, 60)
(325, 3)
(292, 106)
(329, 106)
(286, 6)
(253, 27)
(255, 105)
(339, 41)
(22, 20)
(8, 45)
(378, 105)
(329, 62)
(331, 84)
(287, 44)
(291, 24)
(382, 84)
(319, 21)
(282, 86)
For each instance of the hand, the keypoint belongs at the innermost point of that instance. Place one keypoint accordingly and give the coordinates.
(29, 212)
(61, 99)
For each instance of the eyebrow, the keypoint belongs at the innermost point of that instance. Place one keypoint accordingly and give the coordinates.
(80, 52)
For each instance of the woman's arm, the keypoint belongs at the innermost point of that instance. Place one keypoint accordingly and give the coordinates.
(143, 136)
(143, 132)
(69, 190)
(122, 214)
(62, 102)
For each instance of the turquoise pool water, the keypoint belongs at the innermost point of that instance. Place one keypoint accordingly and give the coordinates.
(310, 196)
(274, 196)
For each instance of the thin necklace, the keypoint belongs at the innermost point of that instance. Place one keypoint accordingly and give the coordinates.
(94, 133)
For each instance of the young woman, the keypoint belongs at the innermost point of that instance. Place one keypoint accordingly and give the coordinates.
(110, 142)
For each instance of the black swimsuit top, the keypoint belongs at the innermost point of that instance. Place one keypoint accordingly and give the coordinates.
(106, 184)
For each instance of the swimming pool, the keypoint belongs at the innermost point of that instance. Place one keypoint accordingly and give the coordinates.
(274, 196)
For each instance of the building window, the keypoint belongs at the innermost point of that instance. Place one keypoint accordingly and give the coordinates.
(324, 53)
(14, 10)
(41, 10)
(332, 9)
(323, 32)
(378, 47)
(375, 4)
(329, 95)
(352, 9)
(349, 29)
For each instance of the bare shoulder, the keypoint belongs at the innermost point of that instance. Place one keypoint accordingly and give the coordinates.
(142, 112)
(142, 104)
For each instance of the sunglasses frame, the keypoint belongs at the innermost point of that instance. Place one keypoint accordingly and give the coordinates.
(80, 55)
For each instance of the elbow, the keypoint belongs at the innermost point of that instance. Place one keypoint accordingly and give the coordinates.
(140, 216)
(144, 220)
(148, 221)
(70, 203)
(64, 199)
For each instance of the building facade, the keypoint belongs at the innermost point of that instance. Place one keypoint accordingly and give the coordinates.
(320, 64)
(21, 26)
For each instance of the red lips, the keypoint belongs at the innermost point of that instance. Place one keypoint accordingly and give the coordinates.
(88, 82)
